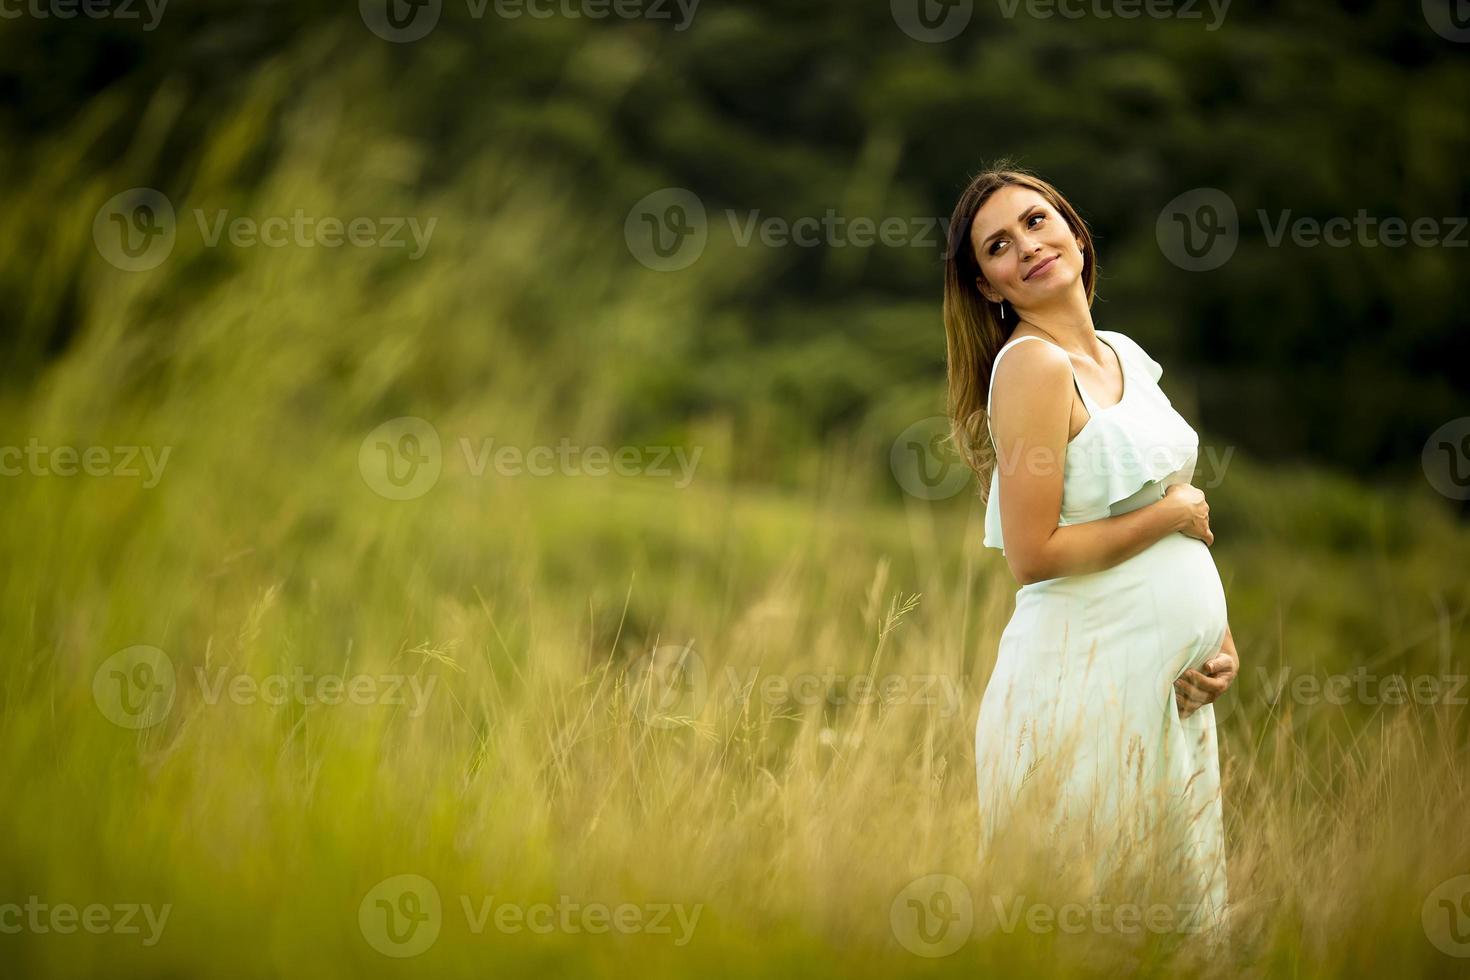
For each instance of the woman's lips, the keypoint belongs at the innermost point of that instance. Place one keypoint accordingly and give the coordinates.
(1047, 264)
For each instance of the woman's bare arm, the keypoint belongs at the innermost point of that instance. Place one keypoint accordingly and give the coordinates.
(1032, 406)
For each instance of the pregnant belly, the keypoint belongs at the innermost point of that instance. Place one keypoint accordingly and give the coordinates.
(1147, 619)
(1189, 598)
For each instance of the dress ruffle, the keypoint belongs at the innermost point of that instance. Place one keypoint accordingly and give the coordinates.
(1142, 440)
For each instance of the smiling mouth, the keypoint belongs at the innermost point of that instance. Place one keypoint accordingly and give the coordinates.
(1044, 265)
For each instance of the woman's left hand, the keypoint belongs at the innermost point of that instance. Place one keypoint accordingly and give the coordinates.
(1197, 688)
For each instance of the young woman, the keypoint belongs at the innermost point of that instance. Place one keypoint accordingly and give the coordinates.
(1104, 681)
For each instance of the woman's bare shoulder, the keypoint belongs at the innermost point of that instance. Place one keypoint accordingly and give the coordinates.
(1032, 382)
(1025, 367)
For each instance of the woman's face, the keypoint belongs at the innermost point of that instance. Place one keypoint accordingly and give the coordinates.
(1026, 251)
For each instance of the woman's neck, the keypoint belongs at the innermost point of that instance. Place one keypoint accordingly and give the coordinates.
(1069, 325)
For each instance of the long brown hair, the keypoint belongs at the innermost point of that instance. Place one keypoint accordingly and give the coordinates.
(973, 330)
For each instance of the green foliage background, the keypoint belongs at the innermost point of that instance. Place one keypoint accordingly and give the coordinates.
(1322, 371)
(1348, 356)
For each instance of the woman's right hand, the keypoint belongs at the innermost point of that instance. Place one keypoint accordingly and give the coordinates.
(1192, 513)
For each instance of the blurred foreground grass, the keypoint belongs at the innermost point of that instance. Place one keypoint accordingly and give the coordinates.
(524, 765)
(528, 760)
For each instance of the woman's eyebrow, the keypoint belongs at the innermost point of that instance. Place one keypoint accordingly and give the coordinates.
(996, 234)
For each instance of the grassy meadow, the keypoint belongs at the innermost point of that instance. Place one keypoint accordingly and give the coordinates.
(512, 635)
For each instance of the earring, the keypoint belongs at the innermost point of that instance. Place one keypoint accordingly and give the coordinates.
(1002, 311)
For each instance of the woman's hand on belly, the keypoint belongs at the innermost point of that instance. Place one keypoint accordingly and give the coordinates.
(1196, 688)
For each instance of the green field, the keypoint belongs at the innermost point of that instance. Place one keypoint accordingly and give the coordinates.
(495, 731)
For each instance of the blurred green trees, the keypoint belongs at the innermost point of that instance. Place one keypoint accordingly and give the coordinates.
(1349, 355)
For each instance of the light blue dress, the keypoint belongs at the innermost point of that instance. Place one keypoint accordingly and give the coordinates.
(1082, 689)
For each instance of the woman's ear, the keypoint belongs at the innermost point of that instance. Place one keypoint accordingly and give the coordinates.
(985, 290)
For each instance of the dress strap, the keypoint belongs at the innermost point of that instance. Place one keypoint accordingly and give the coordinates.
(1087, 402)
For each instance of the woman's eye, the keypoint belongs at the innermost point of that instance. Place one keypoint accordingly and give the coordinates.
(995, 245)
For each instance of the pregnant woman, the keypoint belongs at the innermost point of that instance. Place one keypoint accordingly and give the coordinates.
(1099, 710)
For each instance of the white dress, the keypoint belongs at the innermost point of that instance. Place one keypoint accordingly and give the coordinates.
(1082, 690)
